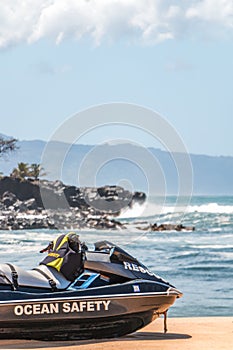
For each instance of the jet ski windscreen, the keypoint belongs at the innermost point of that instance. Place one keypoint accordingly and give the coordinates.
(117, 254)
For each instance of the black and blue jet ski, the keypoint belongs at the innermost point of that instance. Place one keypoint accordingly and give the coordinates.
(112, 295)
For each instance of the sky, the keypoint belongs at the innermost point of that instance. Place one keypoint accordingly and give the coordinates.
(174, 57)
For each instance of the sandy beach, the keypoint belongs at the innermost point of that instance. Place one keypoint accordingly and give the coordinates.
(215, 333)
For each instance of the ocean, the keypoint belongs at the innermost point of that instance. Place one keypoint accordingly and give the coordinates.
(199, 263)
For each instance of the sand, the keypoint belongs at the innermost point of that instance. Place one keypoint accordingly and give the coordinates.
(214, 333)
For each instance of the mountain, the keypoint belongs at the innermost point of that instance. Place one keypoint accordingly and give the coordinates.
(124, 164)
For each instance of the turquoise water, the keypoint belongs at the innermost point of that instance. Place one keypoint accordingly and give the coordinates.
(199, 263)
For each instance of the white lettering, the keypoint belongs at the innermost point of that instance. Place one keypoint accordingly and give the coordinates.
(127, 266)
(74, 307)
(106, 304)
(98, 303)
(18, 310)
(141, 269)
(54, 308)
(82, 305)
(66, 307)
(90, 306)
(135, 267)
(36, 309)
(45, 309)
(28, 309)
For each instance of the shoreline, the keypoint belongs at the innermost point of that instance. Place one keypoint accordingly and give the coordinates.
(185, 333)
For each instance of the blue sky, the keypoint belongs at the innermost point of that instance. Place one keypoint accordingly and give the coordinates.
(174, 58)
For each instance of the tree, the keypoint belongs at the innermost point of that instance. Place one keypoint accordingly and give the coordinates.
(7, 145)
(22, 171)
(36, 171)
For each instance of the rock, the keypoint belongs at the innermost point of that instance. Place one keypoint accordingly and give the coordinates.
(23, 190)
(154, 227)
(56, 195)
(2, 206)
(20, 207)
(181, 227)
(31, 204)
(8, 198)
(62, 206)
(171, 227)
(139, 197)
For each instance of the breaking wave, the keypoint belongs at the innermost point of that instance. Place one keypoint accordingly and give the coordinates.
(213, 208)
(151, 209)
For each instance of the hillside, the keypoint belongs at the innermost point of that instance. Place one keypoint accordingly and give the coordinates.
(212, 175)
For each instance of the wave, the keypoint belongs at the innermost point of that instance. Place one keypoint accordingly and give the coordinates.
(134, 212)
(213, 208)
(147, 210)
(205, 268)
(151, 209)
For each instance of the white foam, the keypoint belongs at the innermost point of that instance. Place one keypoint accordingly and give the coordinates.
(212, 246)
(211, 208)
(151, 209)
(146, 210)
(134, 212)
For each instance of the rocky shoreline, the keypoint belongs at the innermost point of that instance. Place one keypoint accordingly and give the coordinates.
(29, 204)
(61, 219)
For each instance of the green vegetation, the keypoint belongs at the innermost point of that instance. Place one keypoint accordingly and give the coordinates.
(21, 172)
(36, 171)
(25, 171)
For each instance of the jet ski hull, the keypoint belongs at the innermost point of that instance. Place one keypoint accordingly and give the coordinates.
(78, 329)
(82, 317)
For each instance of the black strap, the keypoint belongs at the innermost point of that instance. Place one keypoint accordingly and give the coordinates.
(14, 275)
(7, 279)
(50, 280)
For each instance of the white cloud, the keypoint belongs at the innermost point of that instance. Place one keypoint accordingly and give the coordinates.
(213, 17)
(218, 11)
(142, 21)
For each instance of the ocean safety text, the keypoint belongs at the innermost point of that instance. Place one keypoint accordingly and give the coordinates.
(65, 307)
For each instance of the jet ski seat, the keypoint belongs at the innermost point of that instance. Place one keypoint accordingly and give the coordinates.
(42, 277)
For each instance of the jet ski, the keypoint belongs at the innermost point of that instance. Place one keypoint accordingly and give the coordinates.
(113, 295)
